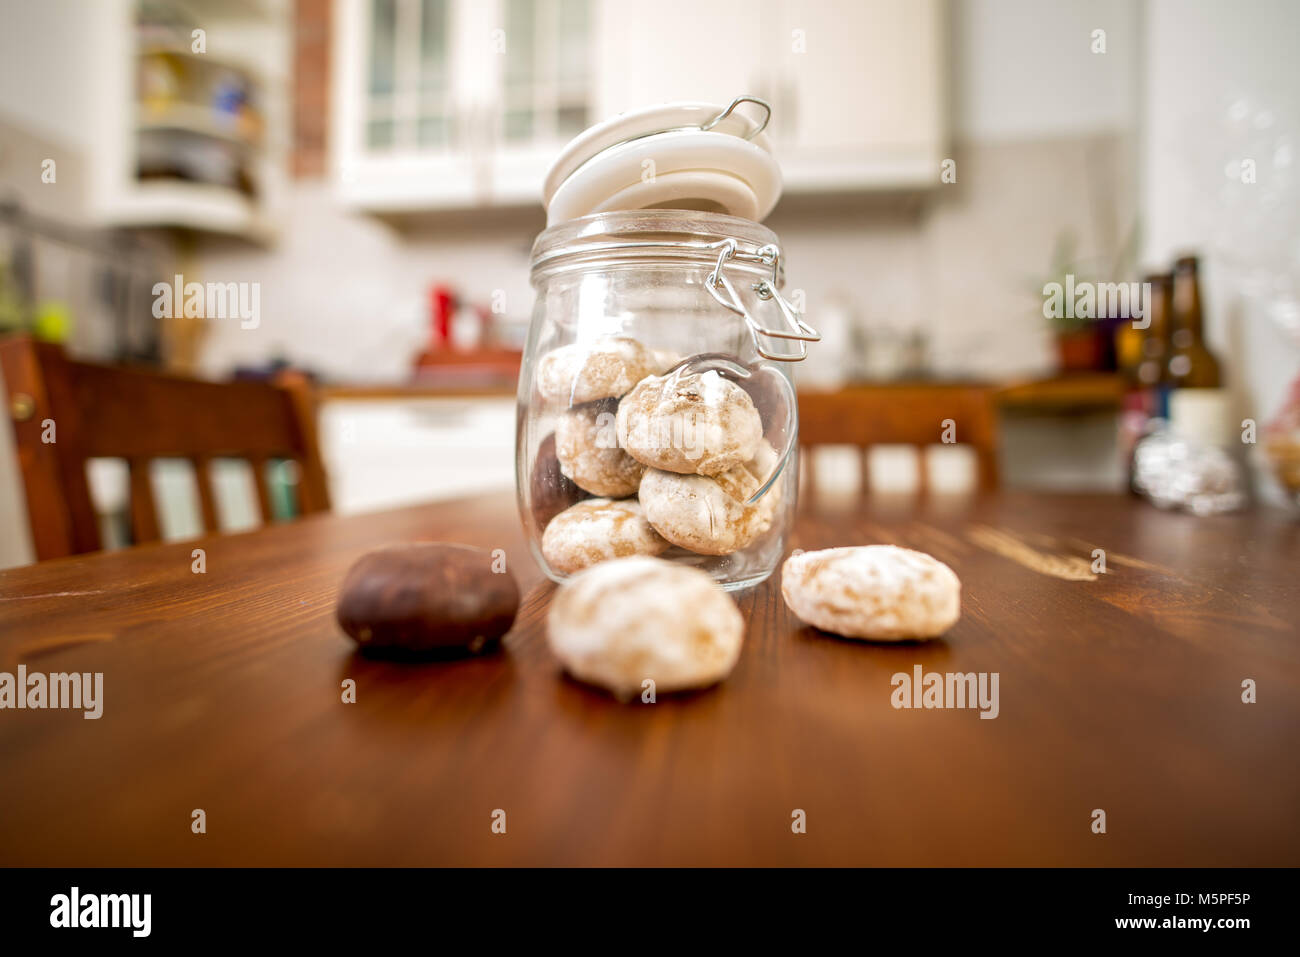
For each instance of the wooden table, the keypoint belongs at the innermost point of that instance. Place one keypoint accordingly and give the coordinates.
(222, 692)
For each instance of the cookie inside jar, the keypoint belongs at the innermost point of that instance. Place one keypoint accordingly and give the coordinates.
(656, 409)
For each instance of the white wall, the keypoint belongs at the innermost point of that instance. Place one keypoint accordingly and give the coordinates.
(347, 294)
(46, 49)
(1202, 57)
(1024, 69)
(15, 538)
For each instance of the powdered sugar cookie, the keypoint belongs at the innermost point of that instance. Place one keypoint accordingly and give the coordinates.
(878, 592)
(709, 514)
(665, 359)
(585, 372)
(586, 443)
(634, 620)
(696, 423)
(597, 530)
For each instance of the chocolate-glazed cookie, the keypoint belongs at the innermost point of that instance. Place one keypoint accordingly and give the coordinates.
(550, 490)
(427, 597)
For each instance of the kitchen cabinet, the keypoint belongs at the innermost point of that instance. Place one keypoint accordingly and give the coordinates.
(453, 103)
(189, 125)
(857, 91)
(382, 453)
(700, 50)
(856, 88)
(456, 103)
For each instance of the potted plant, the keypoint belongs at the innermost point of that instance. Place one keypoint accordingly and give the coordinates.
(1084, 343)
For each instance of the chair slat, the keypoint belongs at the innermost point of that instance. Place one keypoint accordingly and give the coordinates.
(207, 499)
(258, 466)
(144, 517)
(313, 487)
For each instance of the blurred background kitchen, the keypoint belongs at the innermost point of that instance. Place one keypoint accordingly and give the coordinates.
(374, 168)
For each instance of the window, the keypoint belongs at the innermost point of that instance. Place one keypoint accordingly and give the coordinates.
(434, 127)
(426, 69)
(547, 69)
(409, 102)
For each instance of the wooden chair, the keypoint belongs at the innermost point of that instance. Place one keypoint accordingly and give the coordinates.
(904, 414)
(112, 412)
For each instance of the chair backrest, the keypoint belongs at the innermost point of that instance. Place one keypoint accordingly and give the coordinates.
(92, 411)
(904, 414)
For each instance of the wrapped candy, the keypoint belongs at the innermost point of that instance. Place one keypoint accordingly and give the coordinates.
(1177, 472)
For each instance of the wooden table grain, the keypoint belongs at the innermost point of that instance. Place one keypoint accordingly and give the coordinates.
(1119, 691)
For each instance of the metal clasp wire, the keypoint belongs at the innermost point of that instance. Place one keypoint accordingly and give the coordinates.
(731, 108)
(766, 289)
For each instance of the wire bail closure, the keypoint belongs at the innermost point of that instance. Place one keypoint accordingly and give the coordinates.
(766, 290)
(731, 108)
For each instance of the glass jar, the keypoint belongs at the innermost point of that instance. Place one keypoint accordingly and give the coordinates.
(656, 410)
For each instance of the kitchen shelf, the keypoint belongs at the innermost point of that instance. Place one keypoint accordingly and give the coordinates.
(197, 206)
(134, 120)
(1081, 392)
(250, 68)
(192, 118)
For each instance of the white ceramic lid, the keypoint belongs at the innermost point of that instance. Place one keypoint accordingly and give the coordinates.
(676, 155)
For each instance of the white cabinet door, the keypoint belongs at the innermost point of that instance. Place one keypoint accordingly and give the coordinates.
(456, 103)
(856, 86)
(540, 93)
(857, 90)
(701, 50)
(388, 453)
(404, 83)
